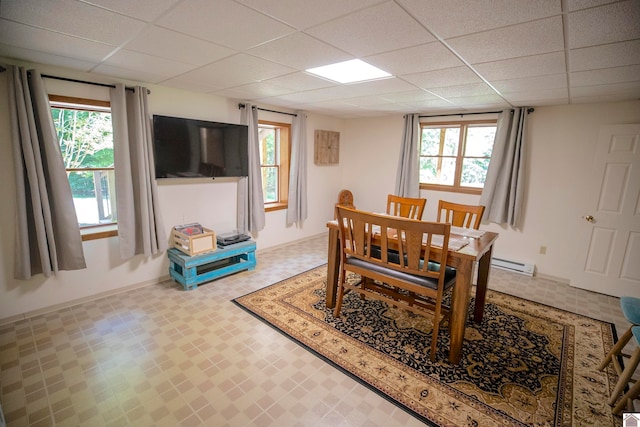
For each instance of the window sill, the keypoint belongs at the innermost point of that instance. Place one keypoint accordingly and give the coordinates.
(100, 232)
(465, 190)
(268, 207)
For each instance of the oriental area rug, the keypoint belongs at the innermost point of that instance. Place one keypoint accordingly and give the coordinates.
(525, 364)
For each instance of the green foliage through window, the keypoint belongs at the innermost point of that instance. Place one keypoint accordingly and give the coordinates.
(456, 155)
(86, 143)
(274, 141)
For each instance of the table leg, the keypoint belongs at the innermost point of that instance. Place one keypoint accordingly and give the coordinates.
(459, 302)
(481, 287)
(333, 263)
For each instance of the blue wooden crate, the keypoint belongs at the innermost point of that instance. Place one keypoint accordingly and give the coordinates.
(190, 271)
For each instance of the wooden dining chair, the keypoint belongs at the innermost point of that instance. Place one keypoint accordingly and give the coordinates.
(406, 207)
(392, 251)
(458, 215)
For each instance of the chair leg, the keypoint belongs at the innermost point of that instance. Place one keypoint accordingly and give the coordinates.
(625, 376)
(436, 329)
(616, 349)
(626, 400)
(338, 307)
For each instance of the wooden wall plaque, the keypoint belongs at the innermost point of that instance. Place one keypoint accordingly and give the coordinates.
(326, 147)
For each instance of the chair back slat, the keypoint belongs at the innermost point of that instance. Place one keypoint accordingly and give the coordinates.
(406, 207)
(459, 215)
(371, 237)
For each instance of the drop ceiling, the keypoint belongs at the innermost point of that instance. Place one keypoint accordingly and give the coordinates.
(444, 55)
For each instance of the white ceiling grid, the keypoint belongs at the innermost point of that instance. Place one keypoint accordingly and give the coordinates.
(445, 55)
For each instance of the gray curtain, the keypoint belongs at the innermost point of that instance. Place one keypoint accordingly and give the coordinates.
(250, 198)
(47, 235)
(297, 200)
(408, 174)
(503, 191)
(140, 228)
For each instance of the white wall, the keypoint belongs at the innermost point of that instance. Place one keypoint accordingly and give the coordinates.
(561, 144)
(211, 203)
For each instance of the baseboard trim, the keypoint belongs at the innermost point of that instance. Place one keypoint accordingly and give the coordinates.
(68, 304)
(553, 278)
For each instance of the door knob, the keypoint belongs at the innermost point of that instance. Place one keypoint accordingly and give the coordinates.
(589, 218)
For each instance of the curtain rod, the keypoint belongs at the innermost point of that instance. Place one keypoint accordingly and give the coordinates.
(86, 82)
(271, 111)
(529, 110)
(67, 79)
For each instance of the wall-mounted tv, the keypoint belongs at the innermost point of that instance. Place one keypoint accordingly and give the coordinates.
(189, 148)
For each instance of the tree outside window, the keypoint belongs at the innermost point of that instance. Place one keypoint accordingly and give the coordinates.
(85, 134)
(455, 156)
(275, 147)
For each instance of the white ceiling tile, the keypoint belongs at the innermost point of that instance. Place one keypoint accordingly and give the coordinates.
(526, 39)
(223, 22)
(554, 81)
(252, 91)
(125, 73)
(146, 10)
(235, 71)
(481, 101)
(621, 21)
(462, 91)
(584, 4)
(526, 66)
(339, 104)
(255, 49)
(366, 101)
(451, 18)
(540, 102)
(323, 94)
(187, 84)
(36, 39)
(412, 96)
(622, 89)
(171, 45)
(73, 18)
(518, 98)
(429, 104)
(380, 86)
(426, 57)
(45, 58)
(300, 81)
(391, 108)
(630, 73)
(441, 78)
(374, 30)
(606, 56)
(302, 14)
(300, 51)
(144, 63)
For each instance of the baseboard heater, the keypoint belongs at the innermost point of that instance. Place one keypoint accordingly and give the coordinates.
(515, 266)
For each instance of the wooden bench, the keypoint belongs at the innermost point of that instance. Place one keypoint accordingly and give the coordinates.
(190, 271)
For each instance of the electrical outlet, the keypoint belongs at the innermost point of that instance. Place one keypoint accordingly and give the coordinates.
(543, 250)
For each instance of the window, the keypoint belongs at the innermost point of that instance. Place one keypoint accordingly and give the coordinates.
(455, 156)
(85, 134)
(275, 147)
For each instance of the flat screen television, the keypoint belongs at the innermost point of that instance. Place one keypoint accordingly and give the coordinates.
(189, 148)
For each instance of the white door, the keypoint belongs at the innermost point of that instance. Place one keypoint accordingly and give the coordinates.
(609, 244)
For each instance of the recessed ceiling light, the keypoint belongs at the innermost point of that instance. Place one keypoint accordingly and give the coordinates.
(351, 71)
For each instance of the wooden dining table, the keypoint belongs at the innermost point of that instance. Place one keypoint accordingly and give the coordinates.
(477, 249)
